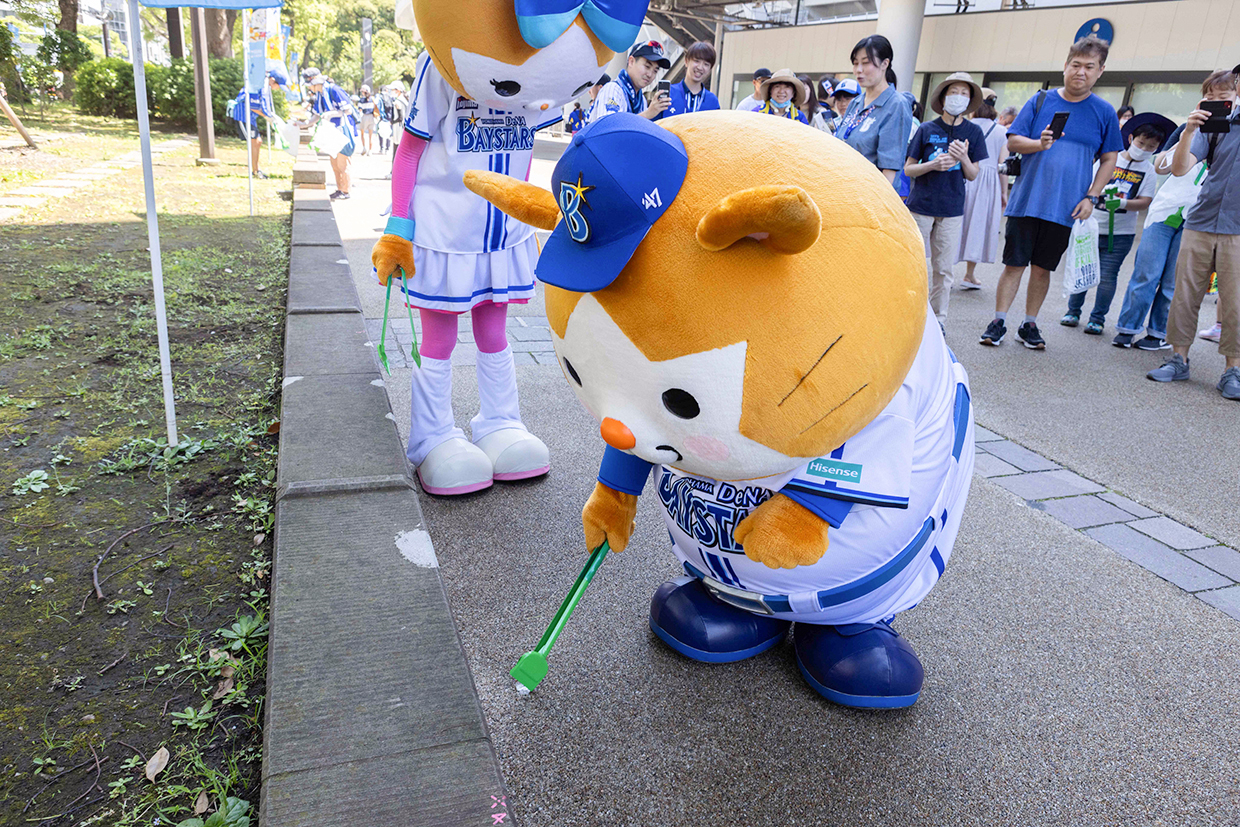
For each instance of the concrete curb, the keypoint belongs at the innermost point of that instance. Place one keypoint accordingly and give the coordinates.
(372, 713)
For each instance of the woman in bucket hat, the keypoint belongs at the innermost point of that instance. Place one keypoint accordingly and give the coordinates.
(942, 155)
(783, 94)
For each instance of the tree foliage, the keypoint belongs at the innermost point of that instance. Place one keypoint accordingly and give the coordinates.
(328, 35)
(63, 49)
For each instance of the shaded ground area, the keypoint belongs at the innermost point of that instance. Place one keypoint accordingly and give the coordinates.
(173, 654)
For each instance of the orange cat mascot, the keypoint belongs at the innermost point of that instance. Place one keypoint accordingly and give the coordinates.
(741, 303)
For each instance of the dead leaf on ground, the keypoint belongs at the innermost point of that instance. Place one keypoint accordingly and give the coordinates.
(223, 689)
(274, 427)
(200, 806)
(157, 763)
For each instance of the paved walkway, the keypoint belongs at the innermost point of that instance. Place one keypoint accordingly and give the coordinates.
(65, 184)
(1065, 685)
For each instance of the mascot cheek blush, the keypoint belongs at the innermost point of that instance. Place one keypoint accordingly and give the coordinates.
(494, 72)
(757, 334)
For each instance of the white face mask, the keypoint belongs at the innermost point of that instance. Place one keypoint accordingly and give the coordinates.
(779, 105)
(1136, 153)
(955, 104)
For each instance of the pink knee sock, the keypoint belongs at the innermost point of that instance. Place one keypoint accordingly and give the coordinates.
(438, 334)
(490, 331)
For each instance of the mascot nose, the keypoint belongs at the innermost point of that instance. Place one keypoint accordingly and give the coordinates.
(545, 107)
(617, 435)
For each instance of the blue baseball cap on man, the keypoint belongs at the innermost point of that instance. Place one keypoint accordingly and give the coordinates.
(652, 50)
(615, 180)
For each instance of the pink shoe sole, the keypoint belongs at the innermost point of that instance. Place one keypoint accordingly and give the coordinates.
(452, 492)
(523, 475)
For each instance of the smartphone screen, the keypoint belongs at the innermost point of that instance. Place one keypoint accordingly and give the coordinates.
(1058, 122)
(1219, 111)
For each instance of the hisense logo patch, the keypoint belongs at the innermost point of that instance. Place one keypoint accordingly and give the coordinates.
(835, 470)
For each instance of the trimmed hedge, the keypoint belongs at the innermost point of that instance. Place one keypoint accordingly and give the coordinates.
(105, 87)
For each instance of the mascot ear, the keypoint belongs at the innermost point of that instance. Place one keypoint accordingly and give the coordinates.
(523, 201)
(783, 218)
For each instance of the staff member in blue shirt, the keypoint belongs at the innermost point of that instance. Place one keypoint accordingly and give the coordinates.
(878, 123)
(691, 94)
(260, 104)
(330, 101)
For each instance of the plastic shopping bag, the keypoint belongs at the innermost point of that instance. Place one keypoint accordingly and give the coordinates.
(1081, 270)
(328, 138)
(286, 136)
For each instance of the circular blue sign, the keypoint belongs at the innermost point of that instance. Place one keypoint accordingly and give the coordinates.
(1100, 27)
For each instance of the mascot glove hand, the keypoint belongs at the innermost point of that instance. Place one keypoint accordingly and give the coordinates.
(608, 515)
(390, 252)
(781, 534)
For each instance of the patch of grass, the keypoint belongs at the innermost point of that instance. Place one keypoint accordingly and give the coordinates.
(181, 624)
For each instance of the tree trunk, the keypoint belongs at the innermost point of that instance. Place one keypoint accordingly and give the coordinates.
(68, 15)
(220, 32)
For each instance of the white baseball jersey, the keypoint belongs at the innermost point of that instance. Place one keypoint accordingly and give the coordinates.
(464, 135)
(906, 474)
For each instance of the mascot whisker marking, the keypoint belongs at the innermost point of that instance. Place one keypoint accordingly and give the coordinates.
(682, 322)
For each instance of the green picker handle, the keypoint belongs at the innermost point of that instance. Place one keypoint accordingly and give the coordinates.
(532, 667)
(383, 360)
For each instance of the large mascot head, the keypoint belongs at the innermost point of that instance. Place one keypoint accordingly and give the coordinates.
(525, 55)
(729, 294)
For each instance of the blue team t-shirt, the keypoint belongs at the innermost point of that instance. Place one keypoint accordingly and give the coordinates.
(941, 194)
(1052, 182)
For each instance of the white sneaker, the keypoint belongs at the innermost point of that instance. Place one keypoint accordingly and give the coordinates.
(1212, 334)
(454, 467)
(515, 454)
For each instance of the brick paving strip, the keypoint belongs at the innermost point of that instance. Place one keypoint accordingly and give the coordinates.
(1173, 551)
(64, 184)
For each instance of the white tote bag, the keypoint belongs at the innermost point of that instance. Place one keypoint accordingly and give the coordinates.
(1081, 269)
(328, 138)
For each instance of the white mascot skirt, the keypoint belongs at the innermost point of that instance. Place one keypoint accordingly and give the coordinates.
(457, 282)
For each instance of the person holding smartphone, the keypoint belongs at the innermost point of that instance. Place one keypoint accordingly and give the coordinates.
(691, 94)
(1210, 243)
(624, 94)
(1059, 133)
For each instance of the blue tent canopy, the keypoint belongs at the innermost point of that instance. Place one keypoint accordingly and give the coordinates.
(235, 5)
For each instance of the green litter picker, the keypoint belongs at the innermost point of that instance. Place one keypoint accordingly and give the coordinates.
(383, 359)
(532, 667)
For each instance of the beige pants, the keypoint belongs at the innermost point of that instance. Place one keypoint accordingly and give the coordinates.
(942, 237)
(1201, 255)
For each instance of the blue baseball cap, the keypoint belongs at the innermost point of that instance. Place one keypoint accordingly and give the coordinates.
(848, 86)
(615, 180)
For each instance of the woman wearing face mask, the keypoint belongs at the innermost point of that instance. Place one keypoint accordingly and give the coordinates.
(878, 122)
(783, 94)
(943, 154)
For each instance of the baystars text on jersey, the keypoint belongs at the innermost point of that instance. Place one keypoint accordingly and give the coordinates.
(493, 133)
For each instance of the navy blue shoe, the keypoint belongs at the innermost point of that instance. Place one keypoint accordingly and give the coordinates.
(688, 619)
(863, 665)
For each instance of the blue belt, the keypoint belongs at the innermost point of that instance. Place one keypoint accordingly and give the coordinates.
(782, 603)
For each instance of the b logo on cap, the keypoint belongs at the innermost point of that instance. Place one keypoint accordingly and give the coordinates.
(572, 197)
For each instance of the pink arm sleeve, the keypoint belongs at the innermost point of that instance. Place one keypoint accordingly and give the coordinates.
(405, 173)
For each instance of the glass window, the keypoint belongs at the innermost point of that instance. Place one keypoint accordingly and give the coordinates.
(916, 86)
(1175, 100)
(1014, 92)
(1113, 95)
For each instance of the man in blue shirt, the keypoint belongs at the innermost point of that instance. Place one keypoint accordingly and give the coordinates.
(1057, 185)
(691, 94)
(624, 94)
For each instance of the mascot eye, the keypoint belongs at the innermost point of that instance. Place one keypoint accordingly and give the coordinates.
(568, 366)
(506, 88)
(583, 87)
(680, 403)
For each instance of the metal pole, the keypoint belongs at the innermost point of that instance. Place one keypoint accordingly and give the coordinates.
(249, 127)
(718, 79)
(152, 220)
